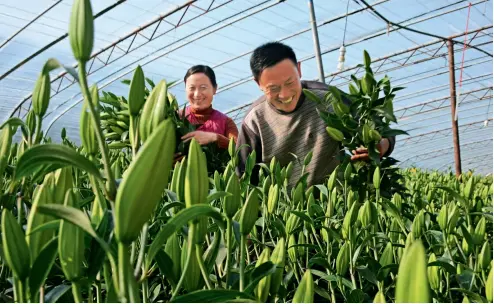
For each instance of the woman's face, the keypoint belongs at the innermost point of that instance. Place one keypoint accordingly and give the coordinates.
(199, 91)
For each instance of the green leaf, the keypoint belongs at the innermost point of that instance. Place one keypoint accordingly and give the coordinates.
(367, 59)
(331, 278)
(387, 114)
(383, 271)
(150, 82)
(359, 248)
(303, 216)
(448, 267)
(55, 224)
(335, 92)
(323, 293)
(56, 293)
(280, 227)
(319, 261)
(356, 296)
(311, 96)
(211, 296)
(323, 189)
(42, 266)
(165, 264)
(57, 156)
(265, 269)
(367, 274)
(265, 167)
(236, 231)
(211, 253)
(467, 235)
(52, 64)
(172, 205)
(177, 222)
(472, 295)
(16, 122)
(396, 214)
(455, 195)
(217, 195)
(76, 217)
(465, 278)
(304, 245)
(393, 132)
(97, 254)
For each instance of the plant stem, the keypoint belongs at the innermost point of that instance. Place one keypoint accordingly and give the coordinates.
(37, 139)
(204, 272)
(98, 288)
(133, 135)
(123, 271)
(19, 210)
(228, 248)
(264, 221)
(133, 250)
(317, 240)
(140, 258)
(111, 191)
(18, 291)
(145, 291)
(90, 293)
(76, 292)
(345, 197)
(294, 267)
(190, 248)
(41, 294)
(352, 275)
(460, 249)
(242, 261)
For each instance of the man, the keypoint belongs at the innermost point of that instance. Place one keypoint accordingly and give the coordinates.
(283, 121)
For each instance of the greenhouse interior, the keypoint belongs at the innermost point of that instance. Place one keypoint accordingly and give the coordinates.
(281, 151)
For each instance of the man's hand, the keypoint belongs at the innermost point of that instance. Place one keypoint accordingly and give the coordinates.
(362, 153)
(202, 138)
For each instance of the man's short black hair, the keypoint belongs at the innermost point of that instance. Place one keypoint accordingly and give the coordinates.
(202, 69)
(268, 55)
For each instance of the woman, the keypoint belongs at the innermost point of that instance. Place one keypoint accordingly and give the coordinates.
(214, 126)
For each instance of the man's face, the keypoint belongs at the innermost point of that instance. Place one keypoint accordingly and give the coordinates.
(281, 85)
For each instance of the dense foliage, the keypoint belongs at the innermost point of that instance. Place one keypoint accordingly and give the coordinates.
(174, 232)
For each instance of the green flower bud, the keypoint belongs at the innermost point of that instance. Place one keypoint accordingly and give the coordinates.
(81, 30)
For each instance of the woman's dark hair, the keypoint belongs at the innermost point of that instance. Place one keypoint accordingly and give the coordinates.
(268, 55)
(202, 69)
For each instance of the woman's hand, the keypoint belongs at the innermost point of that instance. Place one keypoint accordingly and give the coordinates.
(202, 138)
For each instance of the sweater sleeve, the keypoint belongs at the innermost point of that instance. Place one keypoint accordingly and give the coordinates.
(253, 142)
(231, 131)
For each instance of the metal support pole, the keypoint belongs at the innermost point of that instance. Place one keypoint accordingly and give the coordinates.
(315, 36)
(452, 90)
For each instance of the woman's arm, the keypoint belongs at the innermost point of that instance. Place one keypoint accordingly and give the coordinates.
(231, 131)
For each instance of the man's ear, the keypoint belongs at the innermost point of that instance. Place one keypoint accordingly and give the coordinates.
(299, 69)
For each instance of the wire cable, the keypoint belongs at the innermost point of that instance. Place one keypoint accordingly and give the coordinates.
(420, 32)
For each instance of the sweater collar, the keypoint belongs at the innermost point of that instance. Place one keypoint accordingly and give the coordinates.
(207, 111)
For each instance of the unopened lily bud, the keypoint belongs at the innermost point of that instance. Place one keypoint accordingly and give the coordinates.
(81, 30)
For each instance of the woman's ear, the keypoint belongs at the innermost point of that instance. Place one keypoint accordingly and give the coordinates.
(299, 69)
